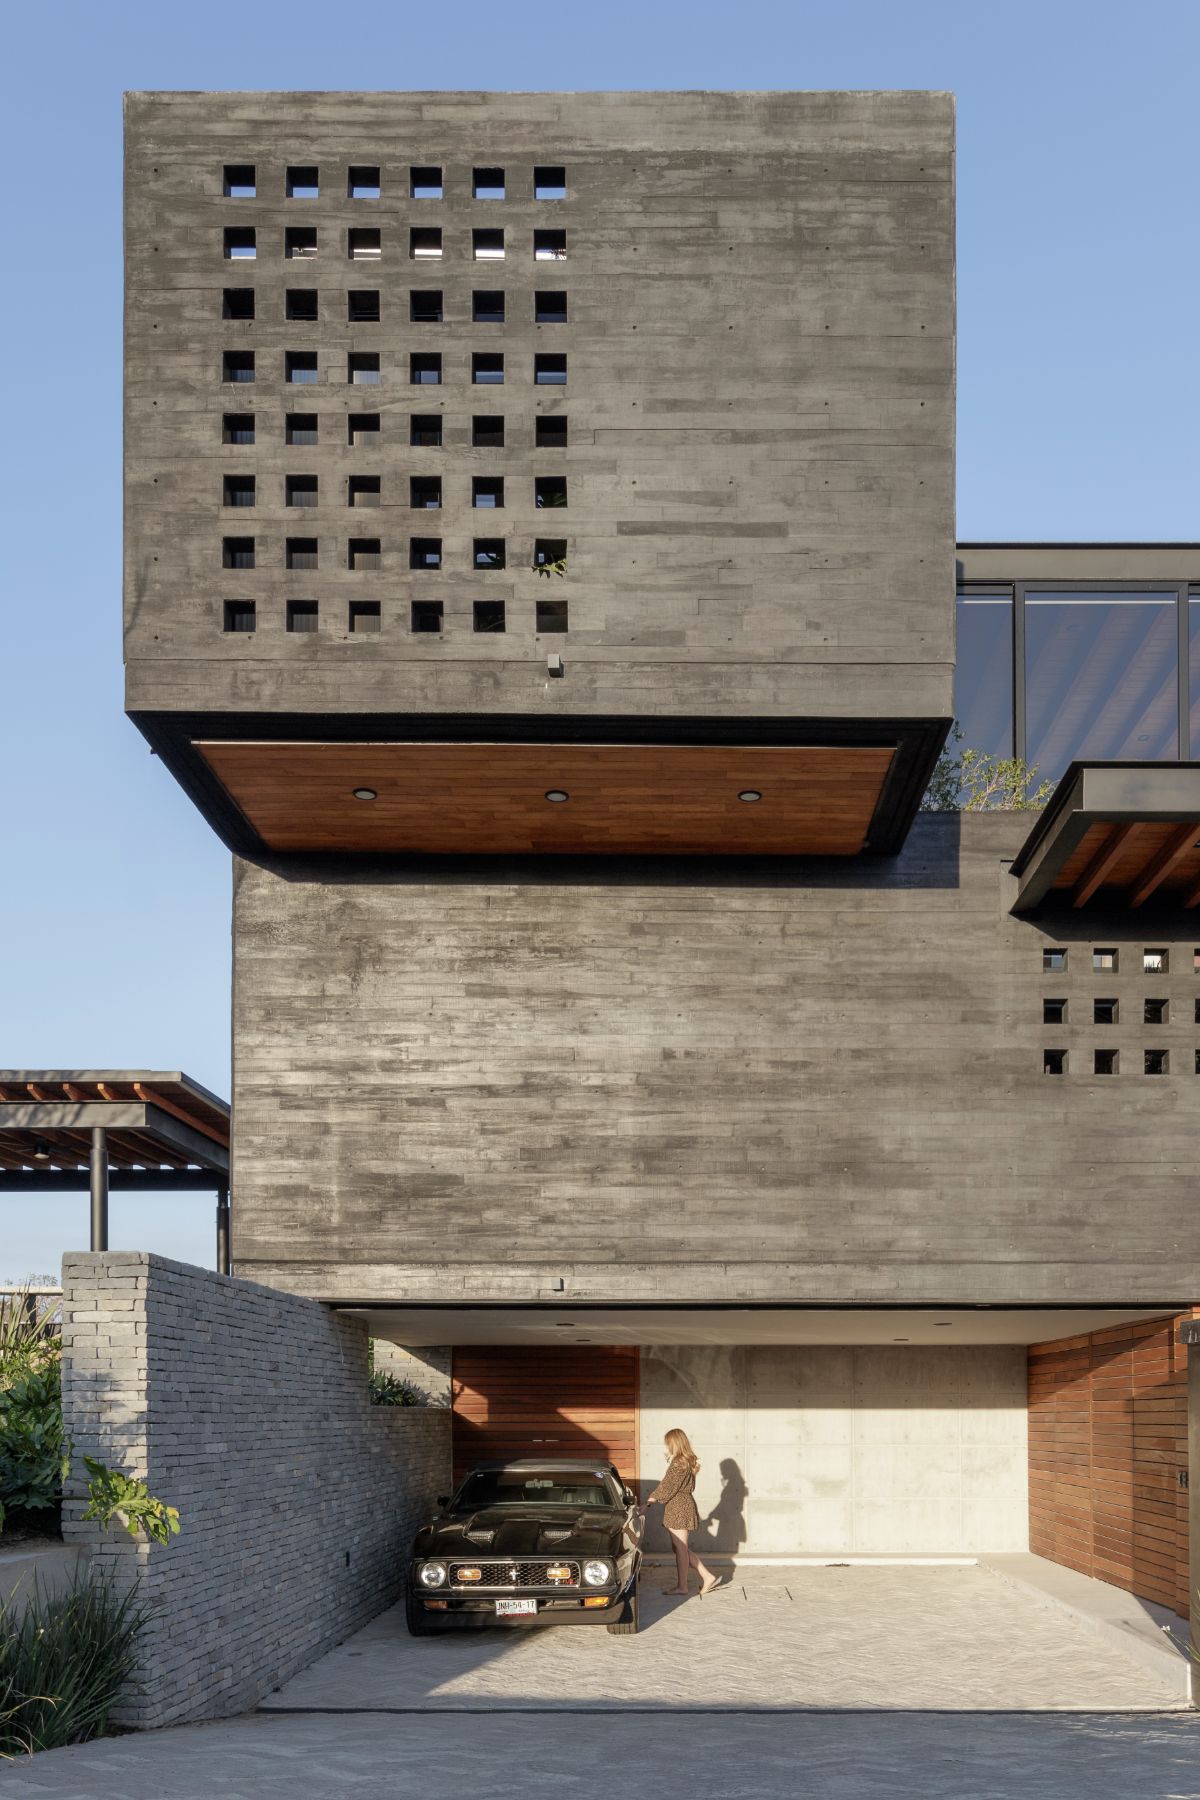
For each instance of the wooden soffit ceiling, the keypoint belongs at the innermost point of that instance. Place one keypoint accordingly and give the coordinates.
(622, 799)
(1121, 834)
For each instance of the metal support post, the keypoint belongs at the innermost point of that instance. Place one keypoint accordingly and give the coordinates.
(99, 1166)
(223, 1222)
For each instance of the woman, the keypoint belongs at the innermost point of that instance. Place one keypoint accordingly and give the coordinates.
(676, 1491)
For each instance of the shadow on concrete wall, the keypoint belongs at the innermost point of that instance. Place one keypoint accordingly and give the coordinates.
(722, 1531)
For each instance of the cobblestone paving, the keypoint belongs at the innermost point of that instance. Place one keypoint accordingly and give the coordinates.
(702, 1756)
(933, 1639)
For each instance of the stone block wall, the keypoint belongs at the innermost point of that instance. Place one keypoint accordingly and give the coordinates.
(248, 1410)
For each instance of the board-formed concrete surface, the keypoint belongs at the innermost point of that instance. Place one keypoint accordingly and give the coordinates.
(942, 1639)
(698, 1756)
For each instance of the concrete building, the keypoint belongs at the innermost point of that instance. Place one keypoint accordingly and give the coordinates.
(605, 1012)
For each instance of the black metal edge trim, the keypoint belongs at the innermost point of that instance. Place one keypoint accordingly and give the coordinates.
(172, 737)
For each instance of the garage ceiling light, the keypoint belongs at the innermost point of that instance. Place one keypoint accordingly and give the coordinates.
(750, 794)
(365, 794)
(557, 795)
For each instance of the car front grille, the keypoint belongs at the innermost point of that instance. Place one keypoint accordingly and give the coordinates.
(500, 1574)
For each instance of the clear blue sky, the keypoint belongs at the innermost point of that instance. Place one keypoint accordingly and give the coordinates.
(1079, 400)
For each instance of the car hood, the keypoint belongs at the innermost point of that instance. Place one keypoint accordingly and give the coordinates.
(523, 1531)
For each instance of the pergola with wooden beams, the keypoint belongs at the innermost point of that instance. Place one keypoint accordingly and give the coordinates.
(1119, 833)
(114, 1130)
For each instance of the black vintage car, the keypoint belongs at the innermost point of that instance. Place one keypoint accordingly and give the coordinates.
(536, 1542)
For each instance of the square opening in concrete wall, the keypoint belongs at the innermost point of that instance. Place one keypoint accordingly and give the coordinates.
(425, 306)
(362, 181)
(240, 615)
(238, 428)
(549, 182)
(550, 245)
(1106, 1062)
(299, 242)
(362, 368)
(238, 490)
(550, 307)
(365, 617)
(300, 367)
(487, 306)
(550, 369)
(488, 553)
(426, 616)
(1156, 1012)
(1054, 1062)
(1053, 960)
(363, 490)
(362, 306)
(487, 184)
(425, 429)
(487, 615)
(362, 429)
(237, 366)
(300, 428)
(425, 492)
(1106, 962)
(302, 615)
(550, 490)
(240, 243)
(551, 615)
(425, 184)
(237, 303)
(240, 183)
(1054, 1012)
(487, 243)
(300, 490)
(301, 304)
(425, 243)
(487, 491)
(300, 553)
(1156, 962)
(303, 182)
(424, 553)
(363, 553)
(425, 369)
(487, 432)
(237, 553)
(551, 433)
(1157, 1062)
(1106, 1010)
(364, 243)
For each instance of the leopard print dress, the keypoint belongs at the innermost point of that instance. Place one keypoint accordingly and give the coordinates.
(676, 1491)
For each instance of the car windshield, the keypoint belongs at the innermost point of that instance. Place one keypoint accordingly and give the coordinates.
(539, 1487)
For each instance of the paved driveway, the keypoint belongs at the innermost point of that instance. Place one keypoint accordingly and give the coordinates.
(699, 1756)
(932, 1639)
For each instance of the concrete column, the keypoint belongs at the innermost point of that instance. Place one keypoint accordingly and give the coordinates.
(1189, 1332)
(99, 1174)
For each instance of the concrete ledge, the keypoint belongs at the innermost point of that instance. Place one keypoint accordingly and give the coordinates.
(1153, 1636)
(55, 1566)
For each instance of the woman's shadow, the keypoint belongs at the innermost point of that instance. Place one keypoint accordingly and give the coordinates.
(722, 1531)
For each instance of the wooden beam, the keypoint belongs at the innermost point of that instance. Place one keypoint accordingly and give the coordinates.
(1192, 897)
(1102, 862)
(154, 1097)
(1160, 866)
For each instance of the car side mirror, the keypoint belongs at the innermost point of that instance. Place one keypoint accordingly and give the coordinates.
(443, 1499)
(630, 1497)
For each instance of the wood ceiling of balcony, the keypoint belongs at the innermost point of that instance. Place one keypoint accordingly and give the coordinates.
(1133, 860)
(489, 799)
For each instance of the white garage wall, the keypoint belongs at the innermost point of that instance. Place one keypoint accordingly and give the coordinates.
(809, 1449)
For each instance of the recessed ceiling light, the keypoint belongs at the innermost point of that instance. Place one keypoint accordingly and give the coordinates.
(365, 794)
(749, 794)
(942, 1324)
(900, 1340)
(557, 795)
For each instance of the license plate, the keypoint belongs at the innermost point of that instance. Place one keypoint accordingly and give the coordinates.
(508, 1609)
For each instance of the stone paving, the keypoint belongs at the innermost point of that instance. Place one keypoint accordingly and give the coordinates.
(933, 1638)
(670, 1756)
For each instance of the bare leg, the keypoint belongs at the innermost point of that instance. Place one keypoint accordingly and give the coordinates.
(679, 1543)
(708, 1580)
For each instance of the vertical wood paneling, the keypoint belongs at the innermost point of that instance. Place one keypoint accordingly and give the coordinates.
(570, 1400)
(1107, 1445)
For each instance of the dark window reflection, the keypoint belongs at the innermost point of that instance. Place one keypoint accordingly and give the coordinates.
(1101, 678)
(1194, 654)
(983, 699)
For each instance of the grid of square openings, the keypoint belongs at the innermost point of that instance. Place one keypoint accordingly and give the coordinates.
(1147, 1009)
(425, 241)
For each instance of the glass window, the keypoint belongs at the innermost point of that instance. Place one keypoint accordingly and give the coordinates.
(983, 697)
(1194, 651)
(1101, 678)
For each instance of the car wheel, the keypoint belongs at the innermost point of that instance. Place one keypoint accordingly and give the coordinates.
(415, 1619)
(628, 1621)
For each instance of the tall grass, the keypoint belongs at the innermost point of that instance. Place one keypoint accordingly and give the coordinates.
(63, 1660)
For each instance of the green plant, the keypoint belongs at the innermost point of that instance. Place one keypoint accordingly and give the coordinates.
(557, 567)
(975, 781)
(114, 1495)
(33, 1453)
(63, 1660)
(389, 1390)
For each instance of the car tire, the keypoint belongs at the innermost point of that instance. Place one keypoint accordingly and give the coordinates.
(628, 1621)
(417, 1624)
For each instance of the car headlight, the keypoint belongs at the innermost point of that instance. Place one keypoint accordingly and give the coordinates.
(596, 1573)
(433, 1574)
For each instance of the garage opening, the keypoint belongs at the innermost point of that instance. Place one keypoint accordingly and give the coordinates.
(572, 1400)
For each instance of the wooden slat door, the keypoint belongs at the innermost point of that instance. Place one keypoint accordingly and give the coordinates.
(566, 1400)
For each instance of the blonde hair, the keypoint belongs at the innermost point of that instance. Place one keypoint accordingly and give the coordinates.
(677, 1443)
